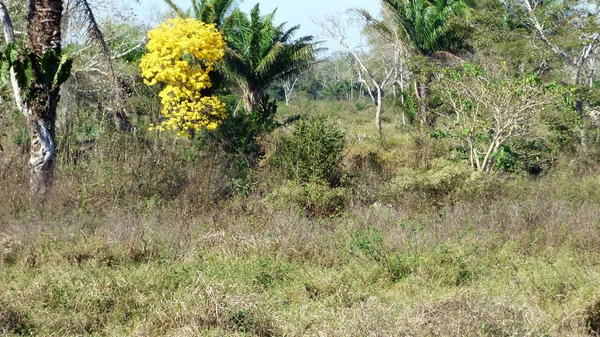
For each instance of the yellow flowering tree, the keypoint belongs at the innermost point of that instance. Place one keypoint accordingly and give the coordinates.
(181, 53)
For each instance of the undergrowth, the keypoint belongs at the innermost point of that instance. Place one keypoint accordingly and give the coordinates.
(148, 235)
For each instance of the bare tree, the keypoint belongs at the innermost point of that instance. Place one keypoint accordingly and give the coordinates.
(487, 113)
(385, 37)
(288, 88)
(578, 60)
(375, 76)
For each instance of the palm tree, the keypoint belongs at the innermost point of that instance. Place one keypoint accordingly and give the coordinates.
(207, 11)
(36, 85)
(36, 77)
(44, 35)
(433, 28)
(260, 53)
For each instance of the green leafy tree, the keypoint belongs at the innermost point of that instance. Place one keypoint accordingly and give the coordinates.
(432, 26)
(258, 54)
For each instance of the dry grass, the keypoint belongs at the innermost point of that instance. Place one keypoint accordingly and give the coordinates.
(148, 238)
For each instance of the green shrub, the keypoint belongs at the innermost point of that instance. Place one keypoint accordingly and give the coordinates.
(445, 182)
(400, 266)
(242, 133)
(312, 153)
(443, 178)
(316, 199)
(369, 243)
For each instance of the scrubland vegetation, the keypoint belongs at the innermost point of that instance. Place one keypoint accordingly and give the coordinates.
(473, 211)
(144, 237)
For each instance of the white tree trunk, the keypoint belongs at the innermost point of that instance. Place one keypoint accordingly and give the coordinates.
(379, 110)
(288, 89)
(9, 37)
(42, 155)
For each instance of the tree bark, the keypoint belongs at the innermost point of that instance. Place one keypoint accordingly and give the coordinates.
(9, 37)
(288, 89)
(44, 33)
(422, 92)
(379, 110)
(252, 96)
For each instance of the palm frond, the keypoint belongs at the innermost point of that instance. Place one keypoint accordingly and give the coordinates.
(92, 27)
(176, 8)
(260, 53)
(270, 58)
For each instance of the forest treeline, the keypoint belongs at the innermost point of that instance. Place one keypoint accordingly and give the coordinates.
(512, 83)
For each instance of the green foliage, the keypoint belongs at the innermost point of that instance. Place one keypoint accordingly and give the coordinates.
(207, 11)
(432, 26)
(505, 159)
(22, 65)
(260, 53)
(316, 199)
(369, 242)
(400, 266)
(242, 132)
(443, 178)
(51, 71)
(21, 139)
(270, 272)
(312, 153)
(444, 182)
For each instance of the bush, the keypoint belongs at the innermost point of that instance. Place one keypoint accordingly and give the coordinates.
(312, 153)
(316, 199)
(444, 182)
(242, 133)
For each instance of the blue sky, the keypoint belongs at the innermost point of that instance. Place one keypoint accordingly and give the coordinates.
(306, 13)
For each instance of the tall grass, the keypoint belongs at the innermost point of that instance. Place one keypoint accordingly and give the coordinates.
(148, 235)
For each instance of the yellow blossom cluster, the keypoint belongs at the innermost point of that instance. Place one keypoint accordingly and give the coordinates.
(181, 53)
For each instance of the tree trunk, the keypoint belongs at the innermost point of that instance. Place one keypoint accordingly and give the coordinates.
(288, 89)
(9, 37)
(44, 33)
(252, 96)
(379, 110)
(422, 92)
(43, 153)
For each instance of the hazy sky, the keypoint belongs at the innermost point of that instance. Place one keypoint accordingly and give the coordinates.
(306, 13)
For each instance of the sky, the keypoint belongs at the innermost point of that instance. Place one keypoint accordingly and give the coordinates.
(306, 13)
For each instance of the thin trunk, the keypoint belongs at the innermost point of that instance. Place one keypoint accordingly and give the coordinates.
(288, 89)
(471, 153)
(402, 92)
(592, 73)
(486, 165)
(379, 111)
(9, 37)
(422, 92)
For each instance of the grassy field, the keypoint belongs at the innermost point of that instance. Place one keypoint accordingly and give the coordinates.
(147, 236)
